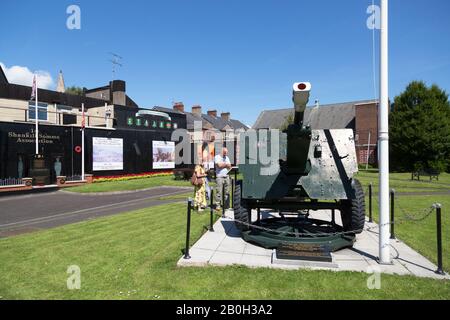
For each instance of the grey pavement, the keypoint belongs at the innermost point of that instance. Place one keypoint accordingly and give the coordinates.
(225, 247)
(27, 213)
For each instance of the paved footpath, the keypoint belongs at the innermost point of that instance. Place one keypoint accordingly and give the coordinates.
(27, 213)
(225, 247)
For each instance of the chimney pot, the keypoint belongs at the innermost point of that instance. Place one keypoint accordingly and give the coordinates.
(179, 106)
(225, 116)
(197, 110)
(212, 113)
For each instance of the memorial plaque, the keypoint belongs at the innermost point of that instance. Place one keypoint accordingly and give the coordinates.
(304, 251)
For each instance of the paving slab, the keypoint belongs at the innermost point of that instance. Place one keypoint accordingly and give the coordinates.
(225, 247)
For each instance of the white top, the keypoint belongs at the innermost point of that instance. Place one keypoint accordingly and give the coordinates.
(221, 159)
(208, 165)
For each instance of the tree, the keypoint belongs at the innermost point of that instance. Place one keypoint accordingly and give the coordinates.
(74, 90)
(420, 129)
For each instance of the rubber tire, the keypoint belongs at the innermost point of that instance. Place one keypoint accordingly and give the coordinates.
(241, 213)
(353, 214)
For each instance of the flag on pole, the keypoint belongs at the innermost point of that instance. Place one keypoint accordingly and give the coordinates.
(83, 119)
(83, 125)
(34, 95)
(33, 89)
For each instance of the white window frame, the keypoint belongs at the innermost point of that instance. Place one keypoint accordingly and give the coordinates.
(41, 107)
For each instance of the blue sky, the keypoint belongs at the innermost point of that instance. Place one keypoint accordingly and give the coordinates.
(237, 56)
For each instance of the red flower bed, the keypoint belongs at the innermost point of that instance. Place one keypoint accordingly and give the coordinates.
(132, 176)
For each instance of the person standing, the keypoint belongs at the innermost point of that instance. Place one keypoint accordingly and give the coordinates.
(200, 188)
(223, 167)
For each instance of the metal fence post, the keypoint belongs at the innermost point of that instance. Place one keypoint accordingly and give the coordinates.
(211, 212)
(392, 214)
(439, 238)
(231, 197)
(223, 200)
(188, 229)
(370, 203)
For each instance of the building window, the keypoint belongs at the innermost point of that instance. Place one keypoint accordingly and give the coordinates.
(42, 112)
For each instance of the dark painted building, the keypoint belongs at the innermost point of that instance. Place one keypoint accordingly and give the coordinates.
(120, 137)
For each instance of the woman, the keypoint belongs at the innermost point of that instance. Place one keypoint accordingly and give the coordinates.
(200, 188)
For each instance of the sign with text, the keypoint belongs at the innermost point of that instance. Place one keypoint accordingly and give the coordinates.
(163, 155)
(107, 154)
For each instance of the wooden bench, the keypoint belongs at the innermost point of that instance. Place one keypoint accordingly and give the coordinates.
(433, 174)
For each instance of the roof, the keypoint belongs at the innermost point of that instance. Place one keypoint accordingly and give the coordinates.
(3, 78)
(192, 117)
(130, 102)
(19, 92)
(331, 116)
(208, 121)
(164, 109)
(108, 97)
(221, 124)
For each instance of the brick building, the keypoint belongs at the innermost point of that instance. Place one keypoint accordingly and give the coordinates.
(210, 127)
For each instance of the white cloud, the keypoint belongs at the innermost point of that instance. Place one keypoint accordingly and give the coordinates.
(23, 76)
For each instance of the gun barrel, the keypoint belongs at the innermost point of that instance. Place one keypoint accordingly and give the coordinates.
(300, 97)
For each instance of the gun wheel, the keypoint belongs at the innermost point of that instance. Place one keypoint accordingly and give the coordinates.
(241, 213)
(353, 213)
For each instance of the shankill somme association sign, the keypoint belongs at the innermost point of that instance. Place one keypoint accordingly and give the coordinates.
(30, 137)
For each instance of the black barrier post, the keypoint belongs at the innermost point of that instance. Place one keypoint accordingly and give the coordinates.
(370, 203)
(392, 214)
(231, 197)
(188, 229)
(223, 200)
(211, 208)
(439, 238)
(258, 212)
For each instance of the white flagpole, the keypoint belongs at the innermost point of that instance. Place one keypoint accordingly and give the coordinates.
(82, 141)
(36, 118)
(383, 142)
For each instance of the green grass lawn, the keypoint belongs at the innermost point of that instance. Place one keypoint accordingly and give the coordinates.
(134, 255)
(128, 185)
(402, 182)
(419, 235)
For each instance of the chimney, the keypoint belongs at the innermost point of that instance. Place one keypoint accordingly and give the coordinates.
(197, 110)
(225, 116)
(179, 106)
(212, 113)
(117, 88)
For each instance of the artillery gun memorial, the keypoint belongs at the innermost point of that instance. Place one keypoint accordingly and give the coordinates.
(309, 170)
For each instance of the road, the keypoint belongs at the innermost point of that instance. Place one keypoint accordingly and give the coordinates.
(27, 213)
